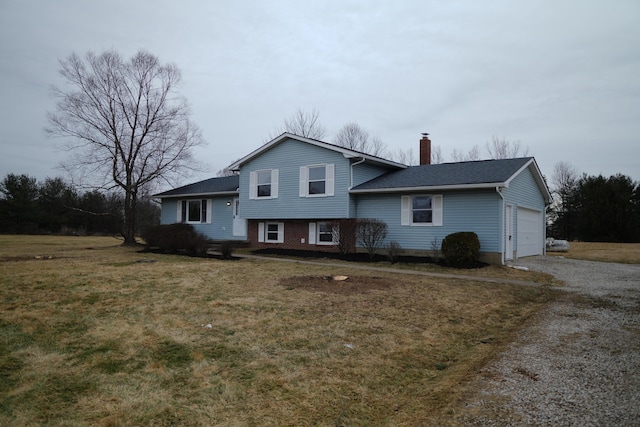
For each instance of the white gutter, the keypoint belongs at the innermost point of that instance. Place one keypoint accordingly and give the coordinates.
(222, 193)
(431, 188)
(352, 165)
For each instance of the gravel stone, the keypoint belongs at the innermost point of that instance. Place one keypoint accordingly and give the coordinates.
(578, 364)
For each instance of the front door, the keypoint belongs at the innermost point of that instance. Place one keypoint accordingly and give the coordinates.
(239, 224)
(508, 237)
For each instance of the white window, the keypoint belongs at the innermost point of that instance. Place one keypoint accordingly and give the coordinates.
(322, 233)
(317, 180)
(271, 232)
(263, 184)
(421, 210)
(195, 211)
(325, 233)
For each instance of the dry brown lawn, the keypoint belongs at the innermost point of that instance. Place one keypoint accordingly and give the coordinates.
(628, 253)
(92, 333)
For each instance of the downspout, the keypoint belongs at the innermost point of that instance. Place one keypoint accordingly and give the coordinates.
(502, 239)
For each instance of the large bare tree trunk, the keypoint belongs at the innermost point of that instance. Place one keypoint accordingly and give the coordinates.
(127, 126)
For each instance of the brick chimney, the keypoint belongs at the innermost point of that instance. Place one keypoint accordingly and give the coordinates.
(425, 149)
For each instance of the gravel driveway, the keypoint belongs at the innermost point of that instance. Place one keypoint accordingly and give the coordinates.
(578, 364)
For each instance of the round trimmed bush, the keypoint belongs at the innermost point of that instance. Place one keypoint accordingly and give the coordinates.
(461, 249)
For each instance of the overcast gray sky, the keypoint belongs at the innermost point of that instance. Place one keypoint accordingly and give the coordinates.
(562, 77)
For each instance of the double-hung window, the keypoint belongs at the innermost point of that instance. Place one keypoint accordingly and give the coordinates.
(271, 232)
(263, 184)
(323, 233)
(421, 210)
(317, 180)
(194, 211)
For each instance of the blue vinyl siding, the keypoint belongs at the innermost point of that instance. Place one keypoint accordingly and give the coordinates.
(523, 192)
(364, 172)
(288, 156)
(477, 211)
(221, 227)
(169, 212)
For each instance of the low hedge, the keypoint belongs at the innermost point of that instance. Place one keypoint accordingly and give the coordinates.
(176, 238)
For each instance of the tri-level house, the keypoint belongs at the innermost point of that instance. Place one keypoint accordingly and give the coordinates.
(291, 192)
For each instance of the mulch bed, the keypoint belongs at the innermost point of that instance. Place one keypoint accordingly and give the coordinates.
(356, 257)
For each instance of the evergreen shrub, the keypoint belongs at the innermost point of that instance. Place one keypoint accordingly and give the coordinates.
(461, 249)
(176, 238)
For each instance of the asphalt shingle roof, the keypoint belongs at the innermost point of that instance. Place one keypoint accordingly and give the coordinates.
(439, 175)
(446, 174)
(226, 184)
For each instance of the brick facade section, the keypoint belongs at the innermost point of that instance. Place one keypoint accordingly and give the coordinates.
(294, 232)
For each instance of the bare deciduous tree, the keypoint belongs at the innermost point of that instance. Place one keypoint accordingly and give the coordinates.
(459, 156)
(436, 155)
(409, 156)
(128, 127)
(406, 157)
(564, 176)
(344, 235)
(501, 148)
(302, 123)
(354, 137)
(498, 148)
(377, 147)
(370, 233)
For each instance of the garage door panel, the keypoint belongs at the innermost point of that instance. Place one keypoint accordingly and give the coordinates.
(529, 232)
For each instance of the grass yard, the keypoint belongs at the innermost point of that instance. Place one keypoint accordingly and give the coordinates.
(627, 253)
(92, 333)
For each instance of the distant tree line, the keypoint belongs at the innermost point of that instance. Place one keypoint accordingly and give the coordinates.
(56, 207)
(594, 208)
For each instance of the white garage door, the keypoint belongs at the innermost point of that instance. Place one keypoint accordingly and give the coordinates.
(529, 226)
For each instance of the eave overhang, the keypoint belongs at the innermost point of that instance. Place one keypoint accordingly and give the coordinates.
(456, 187)
(174, 196)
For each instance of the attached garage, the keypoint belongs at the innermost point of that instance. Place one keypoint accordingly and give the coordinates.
(529, 232)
